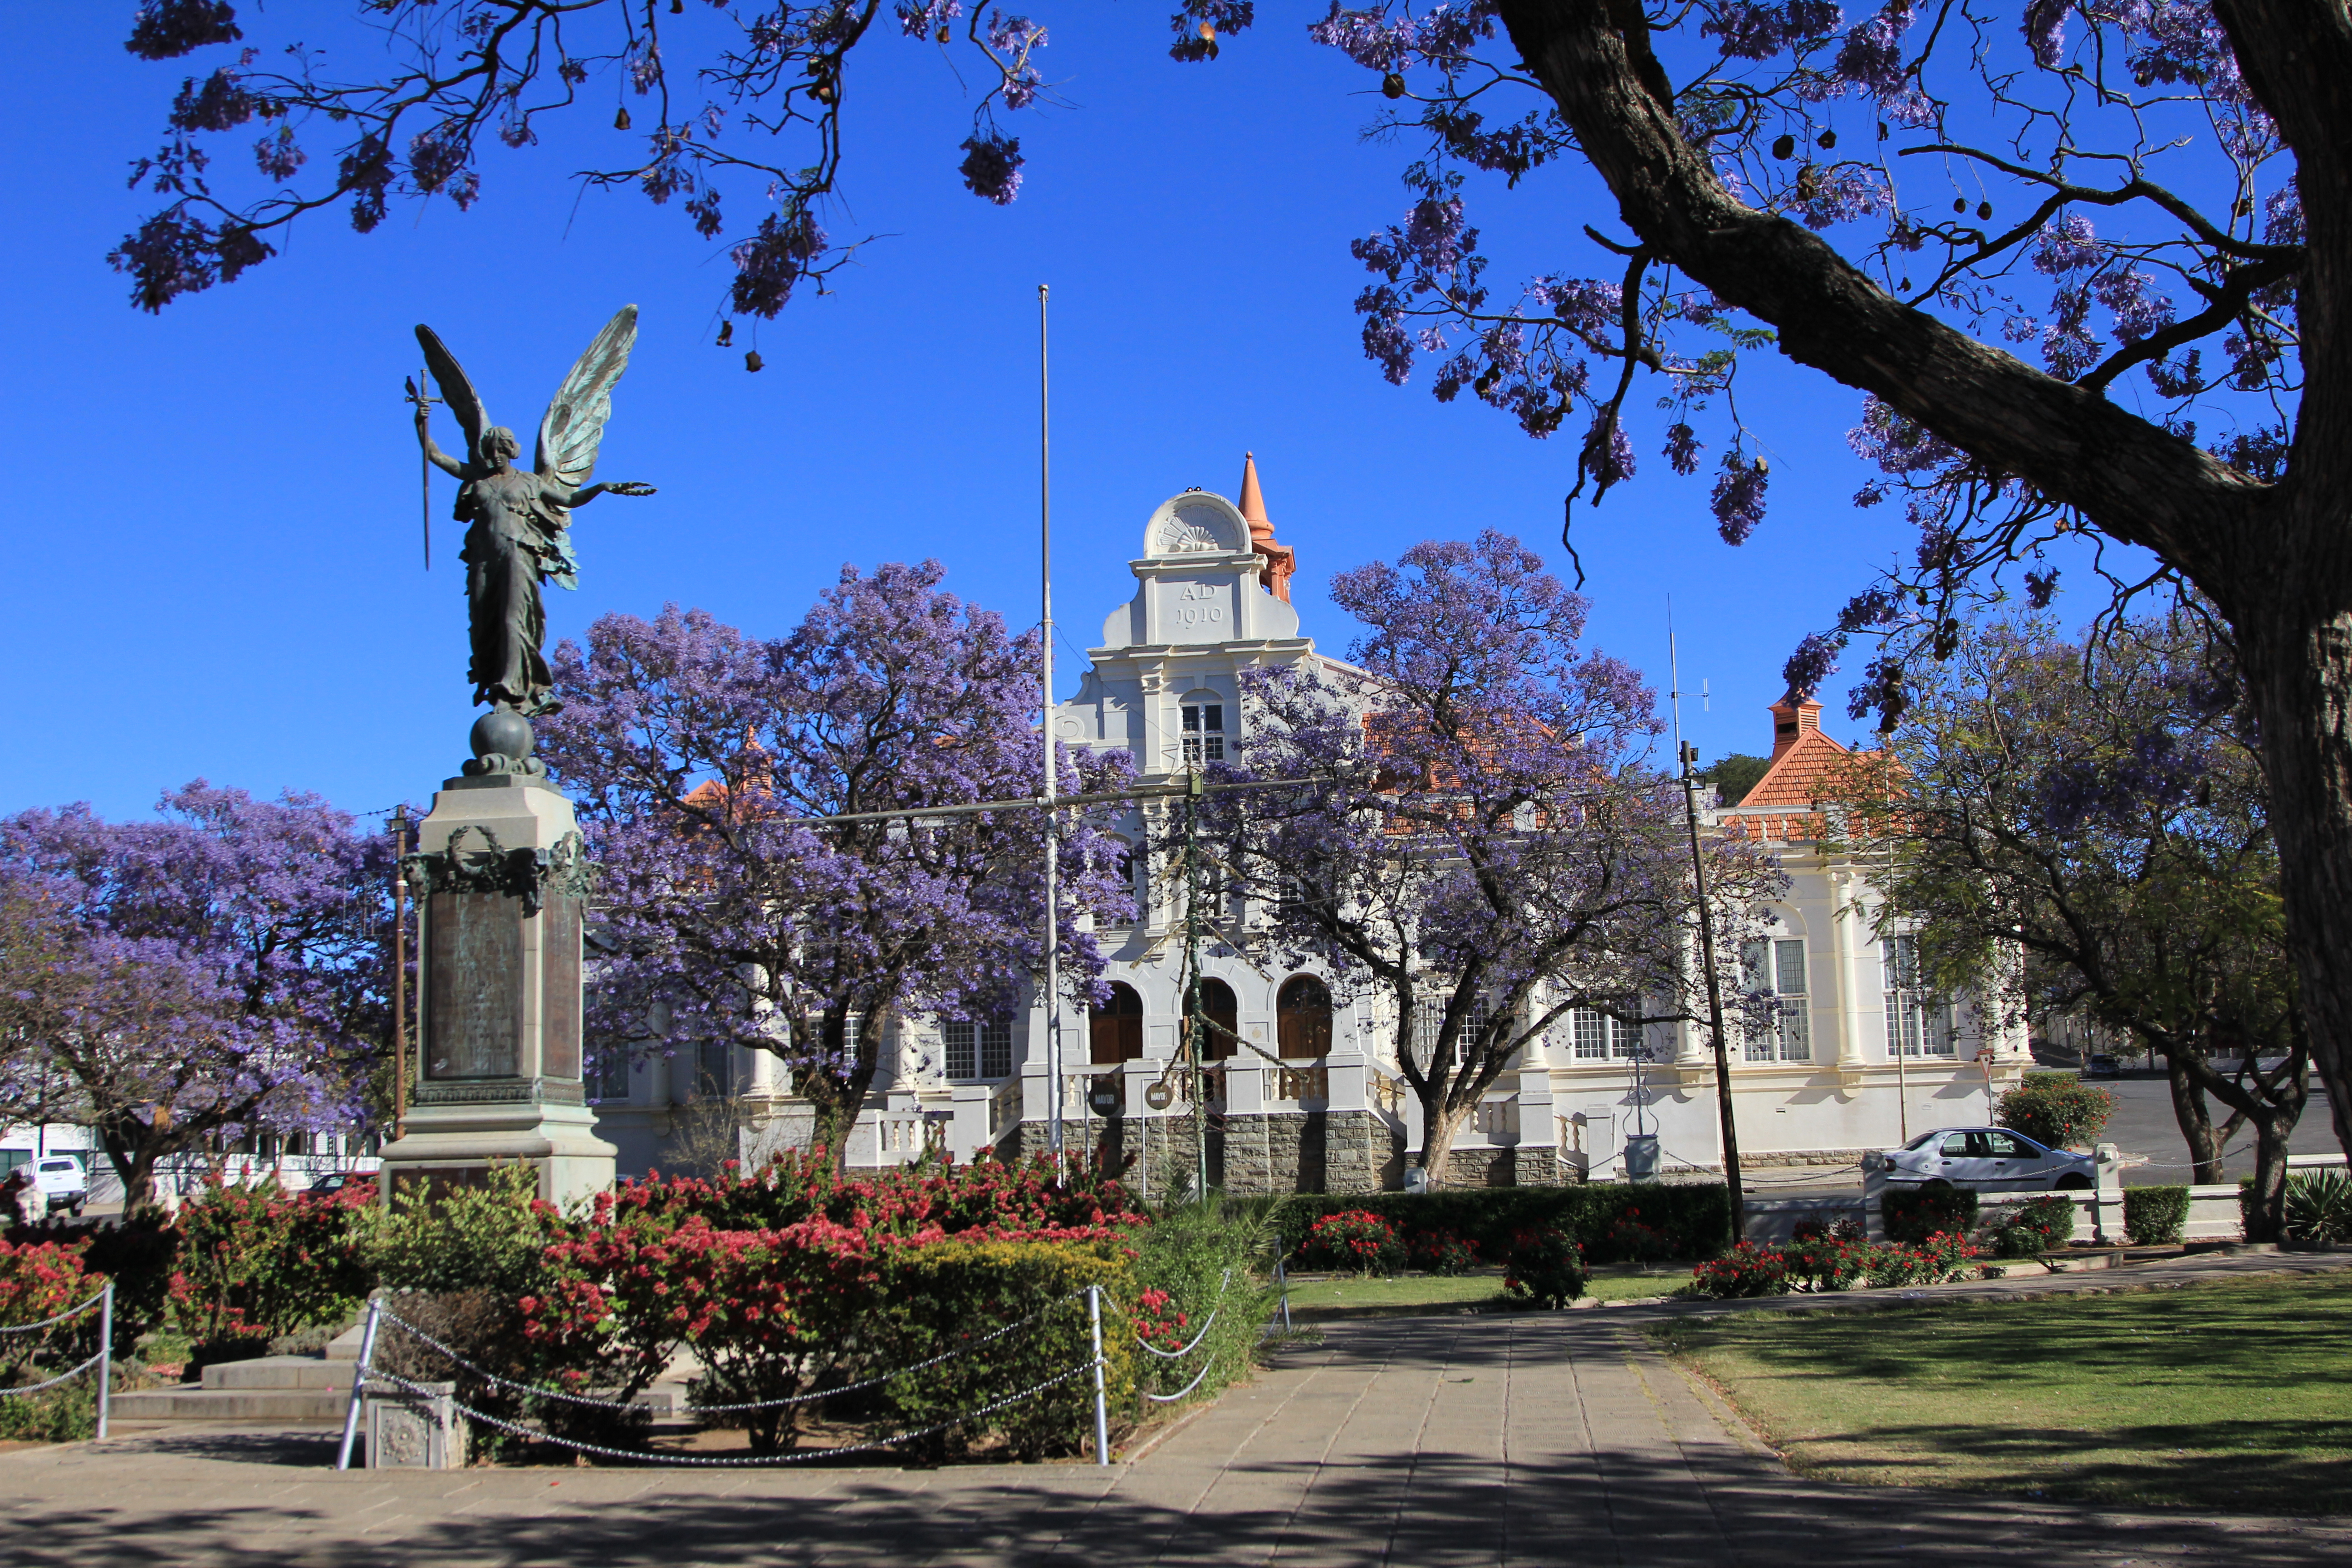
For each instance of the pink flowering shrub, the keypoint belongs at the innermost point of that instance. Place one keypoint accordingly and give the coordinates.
(1746, 1269)
(1443, 1252)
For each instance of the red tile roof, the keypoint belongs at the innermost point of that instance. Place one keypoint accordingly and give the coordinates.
(1805, 763)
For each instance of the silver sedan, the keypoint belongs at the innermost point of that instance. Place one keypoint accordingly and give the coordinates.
(1988, 1160)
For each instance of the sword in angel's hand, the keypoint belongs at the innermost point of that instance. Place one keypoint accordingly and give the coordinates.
(422, 401)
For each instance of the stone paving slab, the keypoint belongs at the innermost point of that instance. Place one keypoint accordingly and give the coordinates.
(1537, 1439)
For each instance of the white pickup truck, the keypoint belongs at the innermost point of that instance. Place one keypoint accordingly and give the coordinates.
(61, 1183)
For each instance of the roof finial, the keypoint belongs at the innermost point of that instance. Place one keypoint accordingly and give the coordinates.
(1280, 562)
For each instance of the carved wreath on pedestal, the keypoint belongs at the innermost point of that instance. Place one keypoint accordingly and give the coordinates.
(526, 874)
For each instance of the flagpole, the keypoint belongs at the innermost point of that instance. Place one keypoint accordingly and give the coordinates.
(1045, 729)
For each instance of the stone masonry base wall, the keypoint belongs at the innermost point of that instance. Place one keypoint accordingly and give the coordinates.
(1296, 1152)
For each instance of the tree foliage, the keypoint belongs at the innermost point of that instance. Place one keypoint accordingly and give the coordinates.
(217, 971)
(2098, 808)
(697, 755)
(1480, 842)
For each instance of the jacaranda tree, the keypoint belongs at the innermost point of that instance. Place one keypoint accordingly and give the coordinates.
(2097, 812)
(218, 973)
(1480, 840)
(2083, 257)
(698, 753)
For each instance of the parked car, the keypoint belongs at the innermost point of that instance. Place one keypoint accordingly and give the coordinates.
(1989, 1160)
(338, 1181)
(59, 1180)
(2099, 1064)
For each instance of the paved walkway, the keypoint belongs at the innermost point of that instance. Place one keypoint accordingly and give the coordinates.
(1548, 1440)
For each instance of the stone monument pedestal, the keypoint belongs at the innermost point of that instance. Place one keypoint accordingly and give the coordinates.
(501, 888)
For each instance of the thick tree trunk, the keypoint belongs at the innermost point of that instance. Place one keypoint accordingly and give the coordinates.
(2196, 1122)
(1439, 1128)
(2299, 669)
(2266, 1205)
(2276, 558)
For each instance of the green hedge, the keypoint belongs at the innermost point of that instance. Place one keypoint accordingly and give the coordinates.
(953, 1292)
(1690, 1216)
(1911, 1215)
(2154, 1216)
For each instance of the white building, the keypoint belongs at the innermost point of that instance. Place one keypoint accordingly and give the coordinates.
(1314, 1101)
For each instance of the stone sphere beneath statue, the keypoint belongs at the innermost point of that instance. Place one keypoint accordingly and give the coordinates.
(502, 733)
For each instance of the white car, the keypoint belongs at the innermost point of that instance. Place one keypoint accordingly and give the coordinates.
(1986, 1160)
(59, 1180)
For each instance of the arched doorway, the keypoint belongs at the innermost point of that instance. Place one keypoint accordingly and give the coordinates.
(1224, 1013)
(1116, 1027)
(1302, 1014)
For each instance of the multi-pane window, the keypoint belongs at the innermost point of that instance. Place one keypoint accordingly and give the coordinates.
(1777, 969)
(1204, 732)
(1918, 1024)
(609, 1079)
(1600, 1038)
(1430, 1019)
(713, 1068)
(978, 1048)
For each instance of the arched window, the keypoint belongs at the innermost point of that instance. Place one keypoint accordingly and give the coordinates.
(1303, 1017)
(1225, 1018)
(1204, 732)
(1116, 1027)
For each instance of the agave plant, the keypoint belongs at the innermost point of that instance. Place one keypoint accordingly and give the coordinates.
(2319, 1208)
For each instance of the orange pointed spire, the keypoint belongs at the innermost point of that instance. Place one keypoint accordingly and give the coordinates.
(1280, 562)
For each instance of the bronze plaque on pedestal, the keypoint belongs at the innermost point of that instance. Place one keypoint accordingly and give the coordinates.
(474, 986)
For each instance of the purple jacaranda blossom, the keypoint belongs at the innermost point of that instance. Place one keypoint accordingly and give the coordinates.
(924, 18)
(2283, 217)
(1896, 445)
(1608, 450)
(1197, 24)
(1683, 447)
(166, 29)
(218, 972)
(2066, 245)
(1590, 306)
(773, 260)
(1814, 661)
(1871, 55)
(693, 749)
(1738, 501)
(992, 166)
(1478, 837)
(1840, 192)
(2045, 30)
(1757, 32)
(1380, 41)
(2131, 295)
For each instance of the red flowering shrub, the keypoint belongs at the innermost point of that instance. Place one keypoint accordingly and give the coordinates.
(1545, 1264)
(1826, 1260)
(1353, 1239)
(812, 1284)
(257, 1261)
(1443, 1252)
(38, 1280)
(1944, 1255)
(1746, 1269)
(1159, 1322)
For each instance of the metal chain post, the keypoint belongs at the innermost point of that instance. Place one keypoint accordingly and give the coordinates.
(105, 1352)
(359, 1383)
(1102, 1411)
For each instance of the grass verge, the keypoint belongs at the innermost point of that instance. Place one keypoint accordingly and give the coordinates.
(1419, 1295)
(2233, 1396)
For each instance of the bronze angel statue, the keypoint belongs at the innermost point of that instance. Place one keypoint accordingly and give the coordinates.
(516, 522)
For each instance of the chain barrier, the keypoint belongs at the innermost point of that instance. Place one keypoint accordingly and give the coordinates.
(103, 1361)
(365, 1372)
(645, 1457)
(75, 1310)
(1222, 1280)
(570, 1398)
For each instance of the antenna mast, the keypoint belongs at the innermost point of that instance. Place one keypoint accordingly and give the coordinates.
(1686, 759)
(1045, 730)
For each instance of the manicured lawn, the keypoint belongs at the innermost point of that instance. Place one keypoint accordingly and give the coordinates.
(2235, 1396)
(1407, 1294)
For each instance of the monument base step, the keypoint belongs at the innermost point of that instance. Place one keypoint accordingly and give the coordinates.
(230, 1404)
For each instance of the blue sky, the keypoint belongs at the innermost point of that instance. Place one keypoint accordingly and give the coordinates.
(213, 516)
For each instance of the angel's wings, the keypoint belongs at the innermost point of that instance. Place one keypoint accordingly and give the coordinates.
(574, 424)
(456, 391)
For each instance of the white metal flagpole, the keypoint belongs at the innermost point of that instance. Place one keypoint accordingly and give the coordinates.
(1045, 729)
